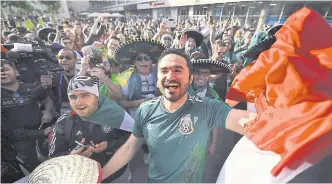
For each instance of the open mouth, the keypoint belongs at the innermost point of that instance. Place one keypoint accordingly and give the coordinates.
(171, 86)
(81, 108)
(3, 77)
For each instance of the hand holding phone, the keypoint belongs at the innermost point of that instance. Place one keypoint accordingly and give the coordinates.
(81, 149)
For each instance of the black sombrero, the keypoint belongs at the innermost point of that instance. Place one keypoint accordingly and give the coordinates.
(127, 51)
(43, 33)
(214, 66)
(196, 35)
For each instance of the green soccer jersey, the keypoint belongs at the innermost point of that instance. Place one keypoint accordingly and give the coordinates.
(177, 141)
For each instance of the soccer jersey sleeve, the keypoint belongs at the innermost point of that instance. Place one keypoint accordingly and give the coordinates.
(137, 130)
(217, 112)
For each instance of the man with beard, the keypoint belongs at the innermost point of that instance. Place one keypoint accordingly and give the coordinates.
(176, 126)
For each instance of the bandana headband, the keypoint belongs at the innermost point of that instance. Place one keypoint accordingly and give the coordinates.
(83, 83)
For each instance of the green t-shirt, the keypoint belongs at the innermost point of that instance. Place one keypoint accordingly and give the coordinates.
(177, 141)
(104, 90)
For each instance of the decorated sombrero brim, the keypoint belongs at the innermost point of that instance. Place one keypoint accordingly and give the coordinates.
(214, 66)
(127, 51)
(196, 35)
(67, 169)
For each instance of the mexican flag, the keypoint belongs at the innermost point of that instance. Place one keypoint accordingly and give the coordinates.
(291, 86)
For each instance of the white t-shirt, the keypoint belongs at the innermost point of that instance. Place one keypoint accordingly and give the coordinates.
(148, 89)
(248, 164)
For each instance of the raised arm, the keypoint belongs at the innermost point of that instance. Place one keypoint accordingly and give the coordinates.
(236, 120)
(122, 156)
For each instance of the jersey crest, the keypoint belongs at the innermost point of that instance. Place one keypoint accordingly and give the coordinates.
(106, 129)
(186, 126)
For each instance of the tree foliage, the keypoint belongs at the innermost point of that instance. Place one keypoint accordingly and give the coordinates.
(52, 6)
(23, 5)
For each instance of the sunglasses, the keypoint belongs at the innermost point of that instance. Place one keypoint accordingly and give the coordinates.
(205, 74)
(167, 39)
(60, 57)
(141, 58)
(66, 43)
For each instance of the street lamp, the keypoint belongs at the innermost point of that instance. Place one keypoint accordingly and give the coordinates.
(221, 9)
(245, 22)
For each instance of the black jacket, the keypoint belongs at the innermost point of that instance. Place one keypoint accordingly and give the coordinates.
(71, 128)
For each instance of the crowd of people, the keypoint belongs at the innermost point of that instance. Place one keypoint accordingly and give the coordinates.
(105, 89)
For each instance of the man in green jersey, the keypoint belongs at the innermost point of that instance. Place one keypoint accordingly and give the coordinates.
(176, 126)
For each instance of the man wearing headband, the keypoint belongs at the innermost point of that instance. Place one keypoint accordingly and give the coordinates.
(95, 128)
(176, 126)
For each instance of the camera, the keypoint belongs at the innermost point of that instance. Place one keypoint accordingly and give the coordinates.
(96, 58)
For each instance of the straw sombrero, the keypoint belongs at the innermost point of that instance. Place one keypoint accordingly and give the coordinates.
(127, 51)
(214, 66)
(67, 169)
(196, 35)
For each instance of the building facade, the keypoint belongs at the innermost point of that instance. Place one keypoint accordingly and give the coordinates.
(247, 12)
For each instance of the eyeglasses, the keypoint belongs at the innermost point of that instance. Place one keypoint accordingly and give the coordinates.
(167, 39)
(198, 73)
(17, 97)
(60, 57)
(66, 43)
(145, 58)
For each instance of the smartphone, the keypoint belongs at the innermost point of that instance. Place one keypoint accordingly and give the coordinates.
(79, 145)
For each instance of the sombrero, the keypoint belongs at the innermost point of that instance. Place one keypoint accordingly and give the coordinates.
(196, 35)
(67, 169)
(127, 51)
(214, 66)
(43, 33)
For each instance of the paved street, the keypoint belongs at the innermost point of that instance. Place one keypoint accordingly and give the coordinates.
(226, 141)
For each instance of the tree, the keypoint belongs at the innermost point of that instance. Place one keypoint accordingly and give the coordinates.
(22, 5)
(52, 6)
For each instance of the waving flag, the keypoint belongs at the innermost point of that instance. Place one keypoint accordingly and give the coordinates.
(291, 85)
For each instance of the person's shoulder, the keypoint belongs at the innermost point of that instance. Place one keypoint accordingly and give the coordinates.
(150, 104)
(203, 101)
(26, 87)
(196, 99)
(62, 119)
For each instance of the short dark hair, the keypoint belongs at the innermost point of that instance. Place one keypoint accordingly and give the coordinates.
(179, 53)
(68, 49)
(115, 38)
(6, 62)
(13, 37)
